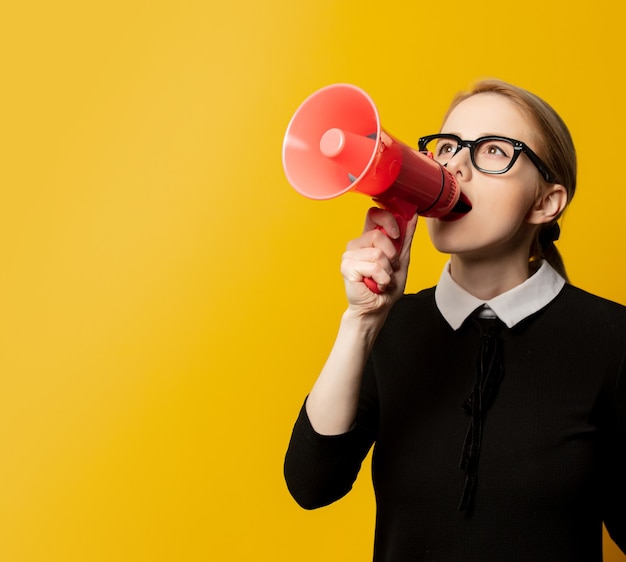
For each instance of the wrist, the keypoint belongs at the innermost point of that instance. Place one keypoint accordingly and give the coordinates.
(364, 326)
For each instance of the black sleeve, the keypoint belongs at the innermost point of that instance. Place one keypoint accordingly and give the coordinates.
(320, 469)
(614, 469)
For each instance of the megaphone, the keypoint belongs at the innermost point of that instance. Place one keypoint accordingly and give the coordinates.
(335, 144)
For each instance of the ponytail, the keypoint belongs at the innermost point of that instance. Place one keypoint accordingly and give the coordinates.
(544, 248)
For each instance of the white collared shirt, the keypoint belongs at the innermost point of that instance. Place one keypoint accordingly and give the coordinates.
(511, 307)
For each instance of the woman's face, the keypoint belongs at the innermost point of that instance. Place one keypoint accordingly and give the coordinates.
(499, 222)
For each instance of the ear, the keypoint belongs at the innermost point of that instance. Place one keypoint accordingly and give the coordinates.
(549, 204)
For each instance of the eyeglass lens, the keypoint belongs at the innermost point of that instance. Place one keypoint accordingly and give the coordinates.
(490, 154)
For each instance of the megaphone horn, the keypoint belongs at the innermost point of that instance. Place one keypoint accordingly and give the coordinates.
(335, 144)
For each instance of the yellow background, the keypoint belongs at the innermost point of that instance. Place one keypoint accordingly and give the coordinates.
(167, 298)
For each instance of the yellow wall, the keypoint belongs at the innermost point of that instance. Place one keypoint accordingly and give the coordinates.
(167, 298)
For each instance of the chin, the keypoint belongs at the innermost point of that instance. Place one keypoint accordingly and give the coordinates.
(448, 237)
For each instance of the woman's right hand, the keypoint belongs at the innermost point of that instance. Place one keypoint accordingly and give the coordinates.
(374, 255)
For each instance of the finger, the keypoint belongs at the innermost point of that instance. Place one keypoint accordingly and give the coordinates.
(411, 226)
(356, 271)
(381, 218)
(375, 238)
(369, 254)
(367, 262)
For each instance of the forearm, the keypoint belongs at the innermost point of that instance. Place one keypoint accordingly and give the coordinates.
(333, 401)
(332, 404)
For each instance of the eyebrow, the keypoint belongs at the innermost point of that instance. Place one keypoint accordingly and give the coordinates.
(481, 135)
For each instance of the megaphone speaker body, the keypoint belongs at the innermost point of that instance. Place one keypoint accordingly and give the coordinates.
(335, 144)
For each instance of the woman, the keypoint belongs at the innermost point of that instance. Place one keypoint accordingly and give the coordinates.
(497, 400)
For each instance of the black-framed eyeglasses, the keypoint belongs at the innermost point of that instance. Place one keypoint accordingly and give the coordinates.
(491, 155)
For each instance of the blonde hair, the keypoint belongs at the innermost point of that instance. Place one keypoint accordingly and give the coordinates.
(553, 144)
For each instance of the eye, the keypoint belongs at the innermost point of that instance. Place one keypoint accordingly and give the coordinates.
(445, 148)
(495, 149)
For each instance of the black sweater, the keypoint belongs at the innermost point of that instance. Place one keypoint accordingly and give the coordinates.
(552, 462)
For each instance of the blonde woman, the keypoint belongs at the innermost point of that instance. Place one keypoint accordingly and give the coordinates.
(495, 401)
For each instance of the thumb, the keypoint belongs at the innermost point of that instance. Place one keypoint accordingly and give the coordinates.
(411, 225)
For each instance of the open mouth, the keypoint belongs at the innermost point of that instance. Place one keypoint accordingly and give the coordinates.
(462, 207)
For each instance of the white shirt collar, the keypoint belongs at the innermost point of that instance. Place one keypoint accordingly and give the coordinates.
(456, 304)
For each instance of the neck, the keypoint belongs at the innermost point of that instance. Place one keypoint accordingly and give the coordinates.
(486, 279)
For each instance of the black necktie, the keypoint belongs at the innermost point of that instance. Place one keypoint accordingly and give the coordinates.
(489, 373)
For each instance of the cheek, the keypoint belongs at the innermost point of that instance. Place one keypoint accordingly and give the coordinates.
(510, 203)
(494, 220)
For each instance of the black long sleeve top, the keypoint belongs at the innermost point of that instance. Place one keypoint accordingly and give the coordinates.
(552, 465)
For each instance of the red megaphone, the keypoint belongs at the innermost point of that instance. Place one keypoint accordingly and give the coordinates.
(335, 144)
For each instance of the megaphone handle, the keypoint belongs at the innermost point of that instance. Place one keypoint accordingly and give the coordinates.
(397, 242)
